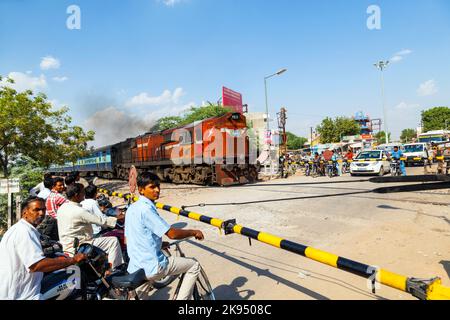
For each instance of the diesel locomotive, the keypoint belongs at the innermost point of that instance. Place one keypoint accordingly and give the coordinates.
(214, 151)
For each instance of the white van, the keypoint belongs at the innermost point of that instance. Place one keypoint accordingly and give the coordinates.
(415, 153)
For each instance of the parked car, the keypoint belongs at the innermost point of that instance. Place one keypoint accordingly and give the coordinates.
(370, 162)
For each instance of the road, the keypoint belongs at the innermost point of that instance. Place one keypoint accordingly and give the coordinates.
(406, 233)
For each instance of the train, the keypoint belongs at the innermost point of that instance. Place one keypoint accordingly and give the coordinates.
(214, 151)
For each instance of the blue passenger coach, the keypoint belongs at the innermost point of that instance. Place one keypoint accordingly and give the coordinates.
(98, 162)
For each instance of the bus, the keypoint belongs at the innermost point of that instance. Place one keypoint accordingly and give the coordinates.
(434, 136)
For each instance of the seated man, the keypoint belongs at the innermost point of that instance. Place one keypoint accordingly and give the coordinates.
(144, 229)
(55, 199)
(91, 205)
(397, 154)
(22, 262)
(48, 184)
(76, 222)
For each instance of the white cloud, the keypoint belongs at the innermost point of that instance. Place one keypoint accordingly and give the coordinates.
(405, 106)
(23, 81)
(171, 3)
(427, 88)
(49, 62)
(60, 79)
(166, 98)
(404, 52)
(399, 56)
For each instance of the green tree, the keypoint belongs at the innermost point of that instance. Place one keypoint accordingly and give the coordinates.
(29, 128)
(436, 118)
(407, 135)
(294, 142)
(190, 116)
(332, 130)
(167, 123)
(30, 174)
(381, 137)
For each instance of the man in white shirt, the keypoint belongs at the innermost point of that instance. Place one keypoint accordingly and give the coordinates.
(76, 222)
(90, 204)
(39, 187)
(48, 185)
(22, 261)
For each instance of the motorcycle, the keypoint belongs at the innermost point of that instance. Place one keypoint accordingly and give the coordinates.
(119, 233)
(345, 166)
(84, 281)
(331, 169)
(395, 168)
(307, 169)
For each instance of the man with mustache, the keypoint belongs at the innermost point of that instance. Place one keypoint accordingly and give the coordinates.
(22, 261)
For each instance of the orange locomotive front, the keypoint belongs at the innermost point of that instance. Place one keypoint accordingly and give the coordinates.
(213, 151)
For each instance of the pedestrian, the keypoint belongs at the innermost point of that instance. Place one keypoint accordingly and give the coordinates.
(22, 261)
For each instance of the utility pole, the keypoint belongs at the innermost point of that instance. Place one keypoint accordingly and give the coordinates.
(381, 65)
(282, 127)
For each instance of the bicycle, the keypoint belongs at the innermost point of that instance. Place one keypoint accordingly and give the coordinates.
(126, 286)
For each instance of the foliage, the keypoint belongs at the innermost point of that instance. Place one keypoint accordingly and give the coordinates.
(381, 137)
(294, 142)
(332, 130)
(436, 118)
(194, 114)
(29, 174)
(29, 127)
(408, 135)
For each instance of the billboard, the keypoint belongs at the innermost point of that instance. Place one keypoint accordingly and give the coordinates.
(232, 99)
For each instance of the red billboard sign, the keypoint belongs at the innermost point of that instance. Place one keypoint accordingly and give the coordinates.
(232, 99)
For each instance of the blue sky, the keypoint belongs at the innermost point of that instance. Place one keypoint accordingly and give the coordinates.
(134, 61)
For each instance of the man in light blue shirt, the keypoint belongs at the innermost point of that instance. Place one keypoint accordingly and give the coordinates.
(144, 229)
(398, 154)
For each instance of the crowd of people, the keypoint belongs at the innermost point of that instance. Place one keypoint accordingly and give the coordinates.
(67, 211)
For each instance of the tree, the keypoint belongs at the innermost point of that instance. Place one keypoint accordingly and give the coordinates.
(294, 142)
(408, 135)
(192, 115)
(30, 128)
(381, 137)
(167, 123)
(436, 118)
(331, 131)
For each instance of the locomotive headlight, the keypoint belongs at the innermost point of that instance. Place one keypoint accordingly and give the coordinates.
(235, 116)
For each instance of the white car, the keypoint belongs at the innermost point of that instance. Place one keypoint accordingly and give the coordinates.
(415, 153)
(370, 162)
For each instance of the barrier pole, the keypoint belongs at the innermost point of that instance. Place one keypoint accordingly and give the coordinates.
(423, 289)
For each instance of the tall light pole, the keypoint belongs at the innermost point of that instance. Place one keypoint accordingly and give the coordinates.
(381, 65)
(265, 86)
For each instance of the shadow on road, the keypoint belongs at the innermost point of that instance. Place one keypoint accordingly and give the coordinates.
(446, 265)
(232, 292)
(262, 272)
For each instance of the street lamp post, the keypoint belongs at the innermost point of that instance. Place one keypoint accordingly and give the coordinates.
(381, 65)
(265, 86)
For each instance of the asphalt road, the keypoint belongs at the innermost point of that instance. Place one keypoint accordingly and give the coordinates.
(406, 233)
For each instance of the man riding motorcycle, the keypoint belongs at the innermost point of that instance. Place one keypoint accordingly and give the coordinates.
(397, 154)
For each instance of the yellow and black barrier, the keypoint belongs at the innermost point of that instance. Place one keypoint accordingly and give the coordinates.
(430, 289)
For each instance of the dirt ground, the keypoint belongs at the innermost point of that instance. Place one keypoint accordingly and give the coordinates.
(406, 233)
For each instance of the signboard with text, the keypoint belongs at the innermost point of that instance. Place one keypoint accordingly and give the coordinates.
(9, 186)
(232, 99)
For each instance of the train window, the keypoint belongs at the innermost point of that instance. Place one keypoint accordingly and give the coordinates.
(198, 133)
